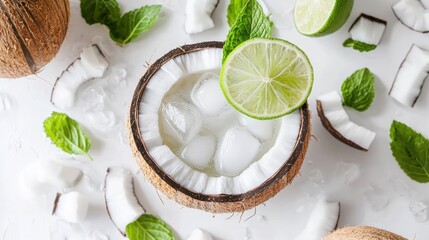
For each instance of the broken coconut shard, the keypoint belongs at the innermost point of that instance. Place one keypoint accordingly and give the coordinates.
(90, 64)
(215, 193)
(411, 77)
(414, 14)
(336, 121)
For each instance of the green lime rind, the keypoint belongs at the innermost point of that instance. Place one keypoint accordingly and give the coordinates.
(338, 17)
(269, 115)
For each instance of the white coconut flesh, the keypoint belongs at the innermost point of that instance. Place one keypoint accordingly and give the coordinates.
(322, 221)
(71, 207)
(368, 29)
(199, 234)
(411, 76)
(338, 118)
(198, 15)
(413, 14)
(91, 64)
(206, 146)
(120, 198)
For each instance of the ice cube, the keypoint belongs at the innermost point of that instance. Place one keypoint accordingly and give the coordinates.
(262, 129)
(316, 176)
(105, 45)
(347, 172)
(5, 104)
(181, 120)
(400, 187)
(207, 95)
(103, 121)
(377, 199)
(236, 152)
(419, 211)
(199, 152)
(118, 75)
(92, 99)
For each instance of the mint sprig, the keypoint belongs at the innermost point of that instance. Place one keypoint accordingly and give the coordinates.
(67, 134)
(411, 151)
(359, 46)
(149, 227)
(358, 90)
(234, 9)
(123, 29)
(251, 22)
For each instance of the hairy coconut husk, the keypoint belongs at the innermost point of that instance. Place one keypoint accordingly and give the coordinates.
(363, 233)
(214, 203)
(32, 32)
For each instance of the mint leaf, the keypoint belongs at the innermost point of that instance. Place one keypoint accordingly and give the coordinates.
(251, 22)
(360, 46)
(106, 12)
(66, 134)
(149, 227)
(234, 9)
(134, 23)
(411, 151)
(359, 90)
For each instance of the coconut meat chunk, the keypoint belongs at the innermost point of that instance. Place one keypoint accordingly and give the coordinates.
(411, 76)
(91, 64)
(323, 220)
(121, 201)
(413, 13)
(338, 123)
(198, 15)
(71, 207)
(368, 29)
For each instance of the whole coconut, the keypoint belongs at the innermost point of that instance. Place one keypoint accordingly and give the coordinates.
(31, 33)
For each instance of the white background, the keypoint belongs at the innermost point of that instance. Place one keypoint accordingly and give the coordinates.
(22, 139)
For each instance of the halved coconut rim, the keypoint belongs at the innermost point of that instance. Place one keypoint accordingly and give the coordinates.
(215, 203)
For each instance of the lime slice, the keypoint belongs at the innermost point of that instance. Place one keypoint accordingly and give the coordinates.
(320, 17)
(266, 78)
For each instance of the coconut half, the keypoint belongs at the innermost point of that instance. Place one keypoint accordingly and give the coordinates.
(91, 64)
(257, 183)
(413, 14)
(335, 119)
(363, 233)
(120, 198)
(411, 76)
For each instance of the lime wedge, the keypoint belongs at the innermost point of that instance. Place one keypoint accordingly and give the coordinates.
(266, 78)
(320, 17)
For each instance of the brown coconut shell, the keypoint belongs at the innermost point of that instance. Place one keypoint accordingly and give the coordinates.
(363, 233)
(32, 32)
(328, 126)
(214, 203)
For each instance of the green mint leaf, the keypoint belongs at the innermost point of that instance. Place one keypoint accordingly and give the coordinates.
(66, 134)
(106, 12)
(149, 227)
(134, 23)
(411, 151)
(359, 90)
(234, 9)
(251, 22)
(360, 46)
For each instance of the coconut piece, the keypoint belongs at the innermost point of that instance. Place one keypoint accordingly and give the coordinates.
(362, 233)
(199, 234)
(335, 119)
(323, 220)
(411, 76)
(120, 198)
(32, 32)
(368, 29)
(71, 207)
(413, 14)
(173, 176)
(198, 15)
(91, 64)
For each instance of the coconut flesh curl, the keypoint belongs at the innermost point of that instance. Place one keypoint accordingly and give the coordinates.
(247, 164)
(32, 32)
